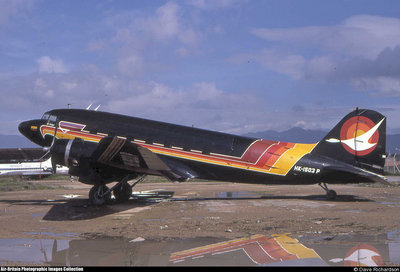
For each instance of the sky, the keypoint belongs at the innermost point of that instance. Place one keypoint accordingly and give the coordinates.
(235, 66)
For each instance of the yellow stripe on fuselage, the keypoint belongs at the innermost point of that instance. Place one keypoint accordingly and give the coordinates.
(293, 246)
(281, 167)
(290, 157)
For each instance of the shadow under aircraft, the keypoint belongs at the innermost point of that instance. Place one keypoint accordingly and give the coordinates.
(101, 147)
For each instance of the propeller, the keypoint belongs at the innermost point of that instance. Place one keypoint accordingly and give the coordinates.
(48, 149)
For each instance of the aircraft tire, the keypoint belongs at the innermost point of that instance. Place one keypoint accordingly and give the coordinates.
(122, 193)
(94, 195)
(331, 194)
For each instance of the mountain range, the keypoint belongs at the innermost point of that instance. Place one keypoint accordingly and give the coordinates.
(295, 134)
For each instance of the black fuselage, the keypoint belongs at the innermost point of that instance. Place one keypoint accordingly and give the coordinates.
(197, 153)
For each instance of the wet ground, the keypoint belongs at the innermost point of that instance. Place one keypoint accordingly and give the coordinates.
(202, 224)
(273, 250)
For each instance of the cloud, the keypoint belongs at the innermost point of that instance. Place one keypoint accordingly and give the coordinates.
(202, 105)
(165, 25)
(212, 4)
(387, 86)
(49, 65)
(363, 51)
(139, 39)
(130, 64)
(360, 35)
(12, 8)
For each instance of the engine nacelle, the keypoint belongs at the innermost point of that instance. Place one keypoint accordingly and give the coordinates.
(73, 153)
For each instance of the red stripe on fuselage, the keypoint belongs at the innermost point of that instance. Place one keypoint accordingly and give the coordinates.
(273, 154)
(256, 149)
(275, 250)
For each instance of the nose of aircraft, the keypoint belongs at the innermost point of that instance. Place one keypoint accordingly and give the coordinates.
(24, 128)
(30, 129)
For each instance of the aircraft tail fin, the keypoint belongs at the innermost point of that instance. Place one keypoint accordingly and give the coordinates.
(358, 139)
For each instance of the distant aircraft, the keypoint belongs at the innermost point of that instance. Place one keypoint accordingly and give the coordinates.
(26, 169)
(101, 147)
(26, 162)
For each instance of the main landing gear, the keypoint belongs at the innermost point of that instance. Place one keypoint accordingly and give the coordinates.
(101, 194)
(330, 194)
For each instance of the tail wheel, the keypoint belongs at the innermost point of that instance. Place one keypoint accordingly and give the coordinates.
(331, 194)
(97, 195)
(123, 192)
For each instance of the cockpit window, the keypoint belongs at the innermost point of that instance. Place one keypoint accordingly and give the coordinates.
(53, 118)
(45, 116)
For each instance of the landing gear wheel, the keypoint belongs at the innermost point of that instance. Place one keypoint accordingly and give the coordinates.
(122, 192)
(97, 197)
(331, 194)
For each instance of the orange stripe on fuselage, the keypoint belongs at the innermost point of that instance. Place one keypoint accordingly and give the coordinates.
(69, 134)
(273, 154)
(262, 155)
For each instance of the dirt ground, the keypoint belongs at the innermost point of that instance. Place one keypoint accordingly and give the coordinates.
(200, 209)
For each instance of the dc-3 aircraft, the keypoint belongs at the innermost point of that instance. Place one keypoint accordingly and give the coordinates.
(101, 147)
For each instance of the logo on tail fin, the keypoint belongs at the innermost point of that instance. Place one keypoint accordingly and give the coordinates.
(359, 135)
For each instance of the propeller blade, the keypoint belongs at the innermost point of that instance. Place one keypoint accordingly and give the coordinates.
(53, 166)
(49, 149)
(45, 154)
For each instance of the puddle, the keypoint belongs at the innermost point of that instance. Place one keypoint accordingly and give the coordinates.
(52, 234)
(396, 204)
(152, 196)
(394, 248)
(257, 250)
(237, 195)
(28, 251)
(37, 214)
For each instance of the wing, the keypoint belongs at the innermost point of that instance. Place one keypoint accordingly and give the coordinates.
(112, 157)
(122, 154)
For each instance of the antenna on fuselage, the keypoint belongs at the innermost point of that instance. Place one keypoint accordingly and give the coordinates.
(88, 107)
(97, 107)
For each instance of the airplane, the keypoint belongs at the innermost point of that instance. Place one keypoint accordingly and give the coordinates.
(26, 162)
(101, 147)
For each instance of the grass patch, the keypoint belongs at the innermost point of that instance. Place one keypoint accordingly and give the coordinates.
(155, 179)
(17, 184)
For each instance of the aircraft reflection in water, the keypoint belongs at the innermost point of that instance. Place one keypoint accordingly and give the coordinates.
(257, 250)
(260, 249)
(282, 250)
(101, 148)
